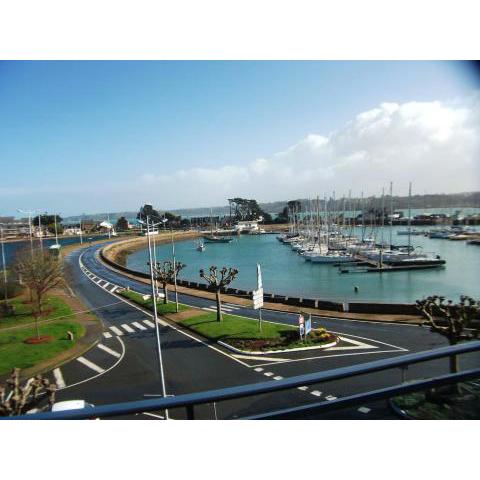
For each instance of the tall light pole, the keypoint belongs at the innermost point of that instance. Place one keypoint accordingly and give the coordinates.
(155, 315)
(4, 267)
(174, 271)
(29, 213)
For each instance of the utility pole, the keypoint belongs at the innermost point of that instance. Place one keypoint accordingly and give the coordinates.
(155, 315)
(174, 271)
(4, 267)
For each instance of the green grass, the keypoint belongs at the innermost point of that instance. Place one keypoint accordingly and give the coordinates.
(162, 308)
(15, 353)
(233, 327)
(23, 311)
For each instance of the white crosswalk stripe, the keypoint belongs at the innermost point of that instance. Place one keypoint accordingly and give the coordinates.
(364, 410)
(114, 287)
(149, 323)
(57, 373)
(127, 328)
(269, 374)
(139, 326)
(278, 377)
(316, 393)
(107, 334)
(330, 398)
(116, 330)
(303, 388)
(91, 365)
(259, 369)
(108, 350)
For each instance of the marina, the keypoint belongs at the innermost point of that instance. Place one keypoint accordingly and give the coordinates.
(286, 272)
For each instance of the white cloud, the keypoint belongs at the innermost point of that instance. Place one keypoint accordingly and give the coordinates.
(434, 144)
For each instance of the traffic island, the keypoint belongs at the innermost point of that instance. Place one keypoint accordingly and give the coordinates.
(236, 333)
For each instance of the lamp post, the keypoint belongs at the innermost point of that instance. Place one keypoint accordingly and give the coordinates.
(29, 213)
(174, 270)
(4, 267)
(155, 315)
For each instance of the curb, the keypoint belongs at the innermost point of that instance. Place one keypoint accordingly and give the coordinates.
(269, 352)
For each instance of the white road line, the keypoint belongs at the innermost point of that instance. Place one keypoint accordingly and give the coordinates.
(109, 350)
(116, 330)
(113, 289)
(90, 365)
(278, 377)
(107, 334)
(330, 398)
(153, 415)
(269, 374)
(252, 357)
(258, 369)
(364, 409)
(106, 284)
(128, 328)
(149, 323)
(316, 393)
(357, 345)
(139, 326)
(209, 309)
(303, 388)
(57, 373)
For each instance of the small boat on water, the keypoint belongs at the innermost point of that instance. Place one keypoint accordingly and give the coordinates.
(200, 247)
(217, 239)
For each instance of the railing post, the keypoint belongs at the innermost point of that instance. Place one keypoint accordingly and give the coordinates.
(190, 412)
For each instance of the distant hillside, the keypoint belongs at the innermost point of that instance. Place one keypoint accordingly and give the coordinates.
(439, 200)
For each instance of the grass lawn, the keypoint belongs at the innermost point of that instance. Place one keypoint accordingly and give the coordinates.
(23, 311)
(15, 353)
(161, 307)
(233, 327)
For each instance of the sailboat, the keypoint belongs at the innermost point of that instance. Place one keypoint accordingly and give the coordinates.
(200, 246)
(215, 238)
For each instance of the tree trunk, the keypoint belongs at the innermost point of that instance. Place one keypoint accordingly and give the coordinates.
(454, 368)
(219, 306)
(165, 293)
(39, 312)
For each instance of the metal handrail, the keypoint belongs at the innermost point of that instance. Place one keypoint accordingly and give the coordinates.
(210, 396)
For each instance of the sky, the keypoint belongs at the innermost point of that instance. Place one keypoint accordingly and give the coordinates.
(79, 136)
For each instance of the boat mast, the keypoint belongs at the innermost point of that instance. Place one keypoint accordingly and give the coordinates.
(363, 218)
(409, 215)
(391, 212)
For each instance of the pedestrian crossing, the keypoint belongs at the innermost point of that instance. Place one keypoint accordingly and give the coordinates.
(129, 328)
(226, 307)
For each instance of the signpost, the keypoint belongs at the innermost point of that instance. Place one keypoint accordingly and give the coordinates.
(258, 297)
(308, 325)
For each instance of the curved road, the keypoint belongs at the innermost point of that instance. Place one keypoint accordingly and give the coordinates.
(124, 365)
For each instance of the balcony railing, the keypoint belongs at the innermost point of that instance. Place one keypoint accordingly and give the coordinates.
(192, 400)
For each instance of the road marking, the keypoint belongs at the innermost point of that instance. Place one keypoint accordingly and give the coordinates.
(364, 409)
(128, 328)
(107, 334)
(149, 323)
(259, 369)
(113, 289)
(209, 309)
(252, 357)
(139, 326)
(57, 373)
(303, 388)
(357, 345)
(90, 365)
(330, 398)
(106, 284)
(116, 330)
(108, 350)
(278, 377)
(269, 374)
(317, 393)
(153, 415)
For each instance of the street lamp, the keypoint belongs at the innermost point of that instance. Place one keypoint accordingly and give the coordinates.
(29, 213)
(4, 267)
(155, 314)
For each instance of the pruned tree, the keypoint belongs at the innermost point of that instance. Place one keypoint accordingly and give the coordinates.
(41, 272)
(216, 281)
(165, 273)
(18, 399)
(452, 320)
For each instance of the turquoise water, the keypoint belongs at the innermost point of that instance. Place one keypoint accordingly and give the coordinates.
(285, 272)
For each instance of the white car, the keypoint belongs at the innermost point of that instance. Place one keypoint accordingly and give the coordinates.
(70, 405)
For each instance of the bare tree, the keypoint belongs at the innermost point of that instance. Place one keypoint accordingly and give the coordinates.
(452, 320)
(16, 399)
(41, 272)
(165, 273)
(218, 280)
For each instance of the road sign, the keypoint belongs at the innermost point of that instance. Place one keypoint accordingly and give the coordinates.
(308, 325)
(301, 319)
(258, 298)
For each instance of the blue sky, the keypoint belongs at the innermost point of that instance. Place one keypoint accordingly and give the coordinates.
(105, 136)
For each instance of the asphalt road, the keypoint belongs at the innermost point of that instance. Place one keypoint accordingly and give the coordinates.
(124, 365)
